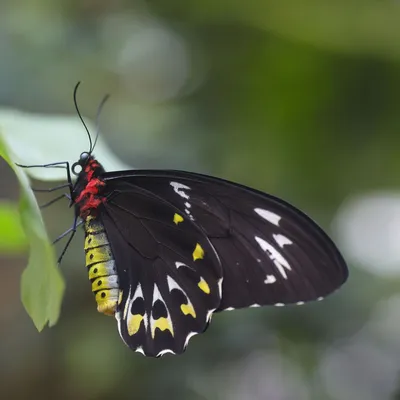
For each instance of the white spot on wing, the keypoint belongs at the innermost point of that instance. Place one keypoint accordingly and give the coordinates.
(220, 287)
(279, 304)
(178, 189)
(209, 315)
(173, 285)
(166, 351)
(157, 295)
(187, 205)
(140, 350)
(118, 318)
(282, 240)
(229, 309)
(146, 321)
(138, 292)
(320, 298)
(254, 305)
(299, 303)
(188, 337)
(179, 264)
(268, 215)
(128, 300)
(277, 258)
(270, 279)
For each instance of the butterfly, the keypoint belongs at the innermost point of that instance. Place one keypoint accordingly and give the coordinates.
(166, 249)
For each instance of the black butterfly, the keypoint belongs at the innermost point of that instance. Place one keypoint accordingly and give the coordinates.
(167, 249)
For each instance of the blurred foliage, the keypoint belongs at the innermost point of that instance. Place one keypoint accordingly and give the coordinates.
(299, 99)
(42, 286)
(355, 27)
(12, 237)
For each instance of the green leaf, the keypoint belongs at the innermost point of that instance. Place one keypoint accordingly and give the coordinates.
(12, 236)
(42, 286)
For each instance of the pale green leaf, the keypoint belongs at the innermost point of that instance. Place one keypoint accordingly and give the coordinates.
(42, 285)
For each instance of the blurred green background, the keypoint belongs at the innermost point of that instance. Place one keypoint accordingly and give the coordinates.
(299, 99)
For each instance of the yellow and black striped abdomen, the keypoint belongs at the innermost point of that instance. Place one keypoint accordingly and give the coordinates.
(101, 267)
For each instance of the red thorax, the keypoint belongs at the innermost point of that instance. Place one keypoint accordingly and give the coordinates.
(89, 197)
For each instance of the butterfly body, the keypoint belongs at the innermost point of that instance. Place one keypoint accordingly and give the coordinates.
(87, 197)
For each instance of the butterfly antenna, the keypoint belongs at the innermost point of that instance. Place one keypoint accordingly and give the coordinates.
(99, 109)
(81, 118)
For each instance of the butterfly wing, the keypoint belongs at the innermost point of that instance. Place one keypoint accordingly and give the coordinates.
(270, 252)
(169, 273)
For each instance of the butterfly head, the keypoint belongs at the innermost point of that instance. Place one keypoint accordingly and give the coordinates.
(84, 159)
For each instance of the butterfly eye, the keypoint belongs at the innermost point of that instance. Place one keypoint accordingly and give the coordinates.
(83, 158)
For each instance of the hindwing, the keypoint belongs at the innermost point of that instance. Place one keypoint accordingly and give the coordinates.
(169, 273)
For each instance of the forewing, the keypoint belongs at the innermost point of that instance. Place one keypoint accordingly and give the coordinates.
(169, 273)
(271, 252)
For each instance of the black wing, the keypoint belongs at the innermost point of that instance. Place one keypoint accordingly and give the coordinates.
(169, 273)
(270, 252)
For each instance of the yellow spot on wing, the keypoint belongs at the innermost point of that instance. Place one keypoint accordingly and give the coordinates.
(203, 285)
(198, 252)
(134, 323)
(177, 218)
(163, 324)
(188, 309)
(120, 296)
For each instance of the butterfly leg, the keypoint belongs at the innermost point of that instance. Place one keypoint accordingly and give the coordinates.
(64, 185)
(53, 189)
(71, 231)
(61, 164)
(49, 203)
